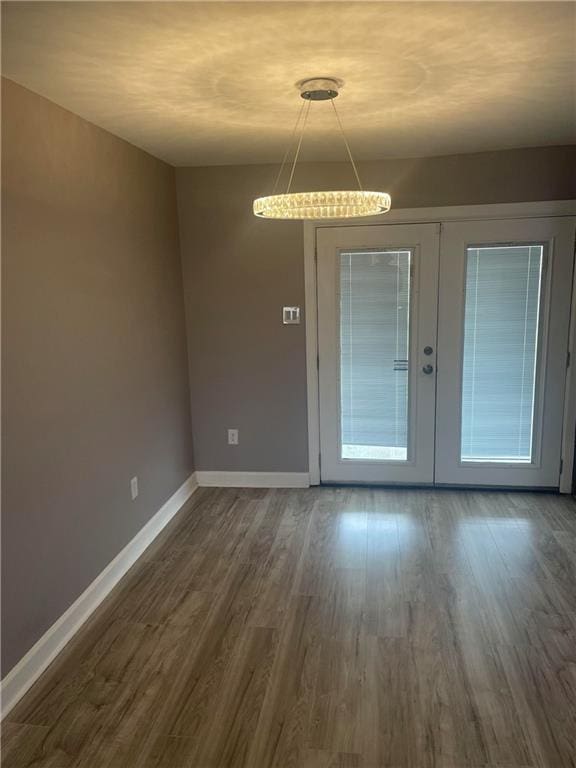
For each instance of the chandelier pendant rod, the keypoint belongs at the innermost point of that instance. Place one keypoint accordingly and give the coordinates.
(298, 148)
(347, 145)
(288, 147)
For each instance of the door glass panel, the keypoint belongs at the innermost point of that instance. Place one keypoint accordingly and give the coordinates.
(374, 344)
(503, 287)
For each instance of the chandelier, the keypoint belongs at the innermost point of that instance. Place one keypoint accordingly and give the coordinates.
(342, 204)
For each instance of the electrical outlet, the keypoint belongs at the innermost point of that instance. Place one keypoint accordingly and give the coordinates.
(232, 437)
(134, 487)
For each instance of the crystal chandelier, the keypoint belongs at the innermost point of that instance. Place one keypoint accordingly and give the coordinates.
(342, 204)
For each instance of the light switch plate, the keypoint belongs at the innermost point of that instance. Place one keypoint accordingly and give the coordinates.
(291, 315)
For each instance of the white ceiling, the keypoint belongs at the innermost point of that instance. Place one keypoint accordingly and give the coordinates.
(213, 83)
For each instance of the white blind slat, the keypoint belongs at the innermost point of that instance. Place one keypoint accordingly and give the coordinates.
(374, 344)
(500, 352)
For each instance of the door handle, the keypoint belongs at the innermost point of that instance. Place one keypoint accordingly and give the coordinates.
(428, 369)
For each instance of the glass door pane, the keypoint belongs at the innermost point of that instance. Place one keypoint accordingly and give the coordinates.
(502, 311)
(374, 352)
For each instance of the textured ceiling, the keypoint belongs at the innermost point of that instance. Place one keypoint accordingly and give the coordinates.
(213, 83)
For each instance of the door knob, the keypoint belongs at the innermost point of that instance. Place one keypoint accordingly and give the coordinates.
(428, 369)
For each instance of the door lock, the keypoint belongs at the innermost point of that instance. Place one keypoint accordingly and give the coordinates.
(428, 350)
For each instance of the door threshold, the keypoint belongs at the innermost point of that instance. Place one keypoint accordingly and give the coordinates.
(442, 487)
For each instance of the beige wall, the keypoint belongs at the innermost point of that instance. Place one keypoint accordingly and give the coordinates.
(247, 370)
(94, 361)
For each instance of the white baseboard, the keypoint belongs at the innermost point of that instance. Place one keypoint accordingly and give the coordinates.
(254, 479)
(35, 662)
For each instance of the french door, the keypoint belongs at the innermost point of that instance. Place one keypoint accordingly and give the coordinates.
(442, 351)
(377, 314)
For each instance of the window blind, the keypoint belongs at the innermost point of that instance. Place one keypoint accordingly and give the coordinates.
(374, 344)
(502, 309)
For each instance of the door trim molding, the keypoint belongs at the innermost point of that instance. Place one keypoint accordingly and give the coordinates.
(312, 382)
(544, 208)
(569, 423)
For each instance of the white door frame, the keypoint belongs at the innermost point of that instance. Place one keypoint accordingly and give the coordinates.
(420, 215)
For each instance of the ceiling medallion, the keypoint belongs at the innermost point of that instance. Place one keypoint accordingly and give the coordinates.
(342, 204)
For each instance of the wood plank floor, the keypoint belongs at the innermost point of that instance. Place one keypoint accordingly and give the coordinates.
(326, 628)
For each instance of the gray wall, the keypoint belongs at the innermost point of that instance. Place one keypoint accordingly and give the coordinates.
(95, 383)
(247, 369)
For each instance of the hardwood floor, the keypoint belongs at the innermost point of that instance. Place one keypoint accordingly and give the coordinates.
(326, 628)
